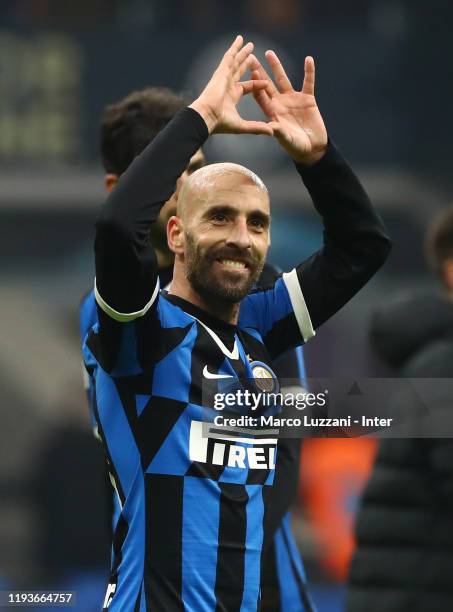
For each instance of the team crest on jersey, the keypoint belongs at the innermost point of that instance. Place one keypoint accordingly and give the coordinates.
(264, 377)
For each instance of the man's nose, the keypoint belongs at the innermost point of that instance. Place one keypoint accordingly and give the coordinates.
(239, 235)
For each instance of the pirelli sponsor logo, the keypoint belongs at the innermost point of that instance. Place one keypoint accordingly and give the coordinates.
(233, 446)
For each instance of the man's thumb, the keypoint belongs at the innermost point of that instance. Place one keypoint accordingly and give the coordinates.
(276, 128)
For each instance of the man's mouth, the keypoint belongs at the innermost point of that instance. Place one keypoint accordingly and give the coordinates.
(233, 263)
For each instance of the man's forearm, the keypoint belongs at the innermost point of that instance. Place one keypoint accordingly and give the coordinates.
(125, 261)
(355, 239)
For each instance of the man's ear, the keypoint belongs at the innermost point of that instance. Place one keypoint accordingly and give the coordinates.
(175, 235)
(110, 180)
(447, 273)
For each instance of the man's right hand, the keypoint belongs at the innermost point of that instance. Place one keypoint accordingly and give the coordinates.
(217, 102)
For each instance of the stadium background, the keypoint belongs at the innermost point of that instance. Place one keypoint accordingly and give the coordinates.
(384, 87)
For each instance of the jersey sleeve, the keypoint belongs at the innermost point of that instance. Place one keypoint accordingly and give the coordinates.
(126, 285)
(279, 314)
(355, 246)
(356, 242)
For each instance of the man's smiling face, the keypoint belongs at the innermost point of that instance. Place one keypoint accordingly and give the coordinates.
(226, 221)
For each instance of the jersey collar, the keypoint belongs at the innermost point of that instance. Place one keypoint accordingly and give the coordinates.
(199, 313)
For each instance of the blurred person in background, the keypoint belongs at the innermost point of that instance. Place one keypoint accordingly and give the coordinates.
(404, 529)
(127, 127)
(334, 472)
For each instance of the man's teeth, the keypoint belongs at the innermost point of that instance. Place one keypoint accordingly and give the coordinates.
(233, 264)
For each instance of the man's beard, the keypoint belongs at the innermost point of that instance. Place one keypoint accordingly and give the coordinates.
(209, 285)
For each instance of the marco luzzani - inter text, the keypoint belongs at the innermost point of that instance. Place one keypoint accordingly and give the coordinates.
(304, 421)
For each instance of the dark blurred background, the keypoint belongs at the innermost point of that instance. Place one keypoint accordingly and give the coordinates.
(384, 86)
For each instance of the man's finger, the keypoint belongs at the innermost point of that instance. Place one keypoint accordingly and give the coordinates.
(279, 133)
(256, 66)
(242, 55)
(276, 128)
(255, 127)
(308, 86)
(236, 45)
(252, 85)
(243, 66)
(281, 78)
(230, 54)
(261, 96)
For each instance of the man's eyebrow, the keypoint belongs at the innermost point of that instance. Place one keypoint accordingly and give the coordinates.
(219, 208)
(227, 209)
(254, 214)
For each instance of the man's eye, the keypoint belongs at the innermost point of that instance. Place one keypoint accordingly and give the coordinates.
(257, 223)
(219, 218)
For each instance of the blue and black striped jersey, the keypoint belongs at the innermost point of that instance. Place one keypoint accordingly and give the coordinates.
(286, 591)
(202, 490)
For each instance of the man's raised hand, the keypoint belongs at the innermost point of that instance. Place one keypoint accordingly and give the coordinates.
(217, 102)
(294, 115)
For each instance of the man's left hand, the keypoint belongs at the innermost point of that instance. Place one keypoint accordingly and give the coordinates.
(294, 115)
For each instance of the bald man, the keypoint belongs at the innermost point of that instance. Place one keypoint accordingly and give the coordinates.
(195, 492)
(220, 205)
